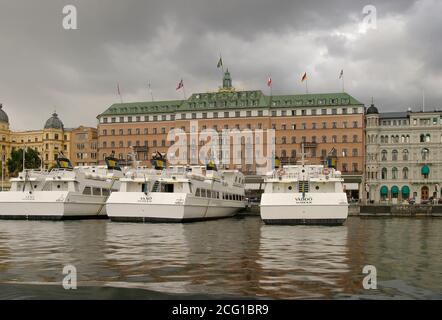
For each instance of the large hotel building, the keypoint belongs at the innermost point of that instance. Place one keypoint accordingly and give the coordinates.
(330, 126)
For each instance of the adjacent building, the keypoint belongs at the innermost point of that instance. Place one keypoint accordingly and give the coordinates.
(403, 156)
(330, 126)
(84, 147)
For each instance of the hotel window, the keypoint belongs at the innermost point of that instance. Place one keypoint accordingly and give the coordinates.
(121, 119)
(129, 144)
(324, 139)
(163, 130)
(163, 143)
(113, 132)
(344, 110)
(334, 139)
(344, 167)
(425, 154)
(259, 125)
(249, 114)
(355, 110)
(137, 131)
(405, 155)
(314, 125)
(355, 138)
(344, 139)
(104, 134)
(313, 112)
(293, 112)
(345, 124)
(226, 114)
(154, 143)
(324, 125)
(105, 120)
(154, 130)
(193, 115)
(394, 155)
(146, 143)
(283, 113)
(260, 113)
(293, 153)
(155, 118)
(129, 119)
(172, 117)
(294, 127)
(334, 125)
(183, 116)
(344, 153)
(283, 140)
(138, 118)
(355, 153)
(249, 126)
(113, 120)
(129, 131)
(355, 124)
(215, 115)
(146, 131)
(334, 111)
(146, 118)
(121, 144)
(304, 126)
(324, 112)
(384, 155)
(163, 117)
(304, 139)
(273, 113)
(204, 115)
(293, 140)
(104, 145)
(237, 114)
(355, 167)
(323, 153)
(226, 126)
(283, 127)
(303, 112)
(405, 173)
(273, 126)
(137, 143)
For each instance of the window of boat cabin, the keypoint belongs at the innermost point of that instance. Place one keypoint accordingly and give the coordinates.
(198, 192)
(203, 192)
(167, 187)
(144, 187)
(96, 191)
(87, 190)
(106, 192)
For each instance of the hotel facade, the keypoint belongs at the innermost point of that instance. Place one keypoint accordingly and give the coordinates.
(403, 156)
(329, 126)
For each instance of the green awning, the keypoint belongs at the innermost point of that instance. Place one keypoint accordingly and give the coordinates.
(425, 169)
(405, 190)
(384, 190)
(394, 190)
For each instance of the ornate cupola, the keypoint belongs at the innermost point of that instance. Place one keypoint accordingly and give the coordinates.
(227, 82)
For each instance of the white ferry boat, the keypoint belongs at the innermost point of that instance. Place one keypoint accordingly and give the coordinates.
(304, 194)
(61, 193)
(177, 194)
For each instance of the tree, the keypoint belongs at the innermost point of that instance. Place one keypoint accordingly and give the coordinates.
(15, 162)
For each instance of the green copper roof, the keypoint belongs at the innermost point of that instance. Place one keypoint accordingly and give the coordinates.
(223, 100)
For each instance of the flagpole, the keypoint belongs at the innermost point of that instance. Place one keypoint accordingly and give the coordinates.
(343, 87)
(151, 92)
(184, 91)
(306, 86)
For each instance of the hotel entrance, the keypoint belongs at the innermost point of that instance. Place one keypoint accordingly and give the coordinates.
(424, 193)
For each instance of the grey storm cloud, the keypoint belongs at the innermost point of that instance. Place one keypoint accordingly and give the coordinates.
(45, 68)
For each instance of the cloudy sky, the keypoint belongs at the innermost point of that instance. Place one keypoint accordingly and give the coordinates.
(44, 67)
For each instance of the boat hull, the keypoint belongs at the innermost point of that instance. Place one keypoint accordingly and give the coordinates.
(312, 209)
(50, 205)
(167, 207)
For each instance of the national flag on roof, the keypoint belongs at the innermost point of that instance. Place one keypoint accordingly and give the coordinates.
(341, 74)
(304, 77)
(269, 81)
(220, 63)
(180, 85)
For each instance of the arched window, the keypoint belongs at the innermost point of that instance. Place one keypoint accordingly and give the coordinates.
(405, 155)
(384, 174)
(427, 137)
(394, 155)
(293, 153)
(425, 154)
(422, 138)
(394, 173)
(405, 173)
(384, 155)
(383, 140)
(402, 139)
(283, 154)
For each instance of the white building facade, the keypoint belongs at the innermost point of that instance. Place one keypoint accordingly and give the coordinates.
(403, 157)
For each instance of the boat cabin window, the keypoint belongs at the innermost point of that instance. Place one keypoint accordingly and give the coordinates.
(87, 191)
(198, 192)
(96, 191)
(203, 192)
(167, 187)
(144, 187)
(106, 192)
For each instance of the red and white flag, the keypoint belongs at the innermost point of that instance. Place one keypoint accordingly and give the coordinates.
(269, 82)
(180, 85)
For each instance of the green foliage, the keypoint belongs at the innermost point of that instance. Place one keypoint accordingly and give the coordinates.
(15, 162)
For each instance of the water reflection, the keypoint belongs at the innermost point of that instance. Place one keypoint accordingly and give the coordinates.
(232, 257)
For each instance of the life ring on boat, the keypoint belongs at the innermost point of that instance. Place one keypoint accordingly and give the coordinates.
(326, 171)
